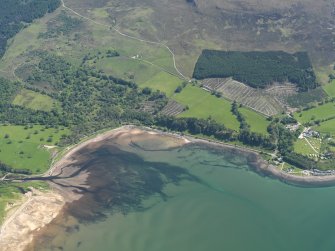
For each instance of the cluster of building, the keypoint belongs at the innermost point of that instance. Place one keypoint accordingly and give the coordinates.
(327, 155)
(293, 127)
(309, 133)
(317, 172)
(313, 172)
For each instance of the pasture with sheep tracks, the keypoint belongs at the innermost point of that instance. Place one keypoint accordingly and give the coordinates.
(268, 102)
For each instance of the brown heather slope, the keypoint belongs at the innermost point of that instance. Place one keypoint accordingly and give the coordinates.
(288, 25)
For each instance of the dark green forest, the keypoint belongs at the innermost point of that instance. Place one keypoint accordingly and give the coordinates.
(7, 90)
(16, 14)
(257, 69)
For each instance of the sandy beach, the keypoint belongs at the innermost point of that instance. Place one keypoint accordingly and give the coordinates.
(40, 208)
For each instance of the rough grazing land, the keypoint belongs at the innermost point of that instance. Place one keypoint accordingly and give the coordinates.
(246, 25)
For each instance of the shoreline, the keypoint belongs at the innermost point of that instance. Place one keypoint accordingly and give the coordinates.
(70, 150)
(40, 208)
(262, 167)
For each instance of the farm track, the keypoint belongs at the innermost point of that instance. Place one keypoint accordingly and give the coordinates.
(130, 37)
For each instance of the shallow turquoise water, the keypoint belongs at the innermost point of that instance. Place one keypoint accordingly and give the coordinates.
(229, 207)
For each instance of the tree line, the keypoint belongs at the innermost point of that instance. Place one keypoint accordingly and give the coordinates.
(210, 127)
(9, 169)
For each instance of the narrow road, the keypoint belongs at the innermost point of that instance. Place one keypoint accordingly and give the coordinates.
(130, 37)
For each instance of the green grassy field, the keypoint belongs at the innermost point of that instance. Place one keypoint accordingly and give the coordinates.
(145, 75)
(257, 122)
(302, 147)
(320, 112)
(164, 82)
(10, 192)
(330, 89)
(127, 68)
(34, 100)
(202, 105)
(23, 148)
(316, 143)
(326, 127)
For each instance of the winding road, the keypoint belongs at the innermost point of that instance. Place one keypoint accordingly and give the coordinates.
(130, 37)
